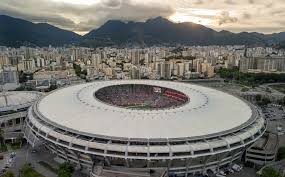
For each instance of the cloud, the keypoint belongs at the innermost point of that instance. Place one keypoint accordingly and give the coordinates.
(231, 2)
(199, 2)
(246, 16)
(112, 3)
(84, 15)
(83, 18)
(251, 1)
(226, 18)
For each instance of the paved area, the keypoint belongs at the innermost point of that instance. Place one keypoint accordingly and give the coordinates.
(246, 172)
(276, 118)
(27, 155)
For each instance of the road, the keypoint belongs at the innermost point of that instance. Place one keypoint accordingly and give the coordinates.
(25, 155)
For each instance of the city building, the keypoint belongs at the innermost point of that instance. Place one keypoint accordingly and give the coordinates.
(263, 64)
(9, 77)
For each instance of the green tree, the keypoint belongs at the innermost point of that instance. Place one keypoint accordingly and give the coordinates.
(266, 101)
(65, 170)
(258, 97)
(244, 89)
(8, 174)
(270, 172)
(282, 101)
(28, 171)
(281, 153)
(268, 90)
(2, 143)
(250, 79)
(77, 69)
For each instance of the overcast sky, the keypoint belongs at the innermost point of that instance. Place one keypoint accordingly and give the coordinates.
(81, 16)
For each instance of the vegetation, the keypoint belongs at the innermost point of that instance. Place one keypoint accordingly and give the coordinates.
(244, 89)
(264, 101)
(78, 71)
(3, 147)
(52, 87)
(270, 172)
(282, 101)
(48, 166)
(180, 57)
(250, 79)
(22, 88)
(281, 153)
(268, 90)
(28, 171)
(65, 170)
(14, 146)
(280, 87)
(8, 174)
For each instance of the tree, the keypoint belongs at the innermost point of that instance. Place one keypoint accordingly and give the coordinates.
(65, 170)
(270, 172)
(77, 69)
(264, 101)
(8, 174)
(282, 101)
(258, 97)
(244, 89)
(2, 138)
(281, 153)
(268, 90)
(28, 171)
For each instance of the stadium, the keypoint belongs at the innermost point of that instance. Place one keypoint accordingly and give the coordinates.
(13, 111)
(144, 127)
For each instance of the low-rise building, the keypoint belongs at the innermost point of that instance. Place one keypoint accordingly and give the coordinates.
(263, 151)
(13, 111)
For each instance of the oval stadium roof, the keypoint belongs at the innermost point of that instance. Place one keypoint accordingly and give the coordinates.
(209, 111)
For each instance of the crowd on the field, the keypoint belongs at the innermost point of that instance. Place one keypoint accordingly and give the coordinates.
(141, 95)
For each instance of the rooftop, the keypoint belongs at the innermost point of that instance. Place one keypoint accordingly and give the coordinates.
(17, 99)
(209, 111)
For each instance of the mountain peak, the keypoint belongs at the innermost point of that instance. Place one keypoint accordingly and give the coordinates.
(158, 20)
(114, 22)
(15, 32)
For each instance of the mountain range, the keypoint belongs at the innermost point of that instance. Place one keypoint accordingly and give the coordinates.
(17, 32)
(158, 31)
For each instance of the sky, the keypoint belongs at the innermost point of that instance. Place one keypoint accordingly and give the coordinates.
(81, 16)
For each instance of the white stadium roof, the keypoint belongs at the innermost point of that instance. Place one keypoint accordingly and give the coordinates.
(17, 99)
(209, 111)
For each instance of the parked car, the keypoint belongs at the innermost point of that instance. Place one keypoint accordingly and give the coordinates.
(236, 167)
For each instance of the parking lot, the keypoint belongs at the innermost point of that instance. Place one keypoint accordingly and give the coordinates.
(275, 116)
(246, 172)
(7, 161)
(28, 155)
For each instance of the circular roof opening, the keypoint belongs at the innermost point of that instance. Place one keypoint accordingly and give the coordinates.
(141, 97)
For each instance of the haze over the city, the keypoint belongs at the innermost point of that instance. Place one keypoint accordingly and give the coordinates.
(81, 16)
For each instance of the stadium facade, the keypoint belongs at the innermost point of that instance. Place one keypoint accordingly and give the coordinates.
(13, 111)
(141, 126)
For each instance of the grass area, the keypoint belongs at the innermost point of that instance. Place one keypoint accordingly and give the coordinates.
(280, 87)
(3, 148)
(47, 166)
(250, 79)
(14, 146)
(28, 171)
